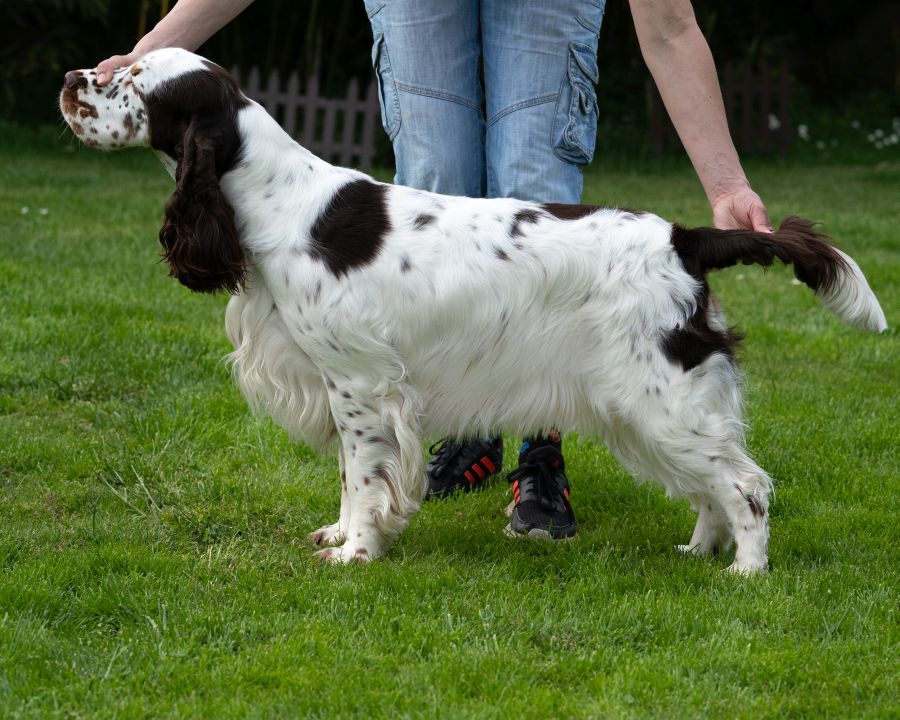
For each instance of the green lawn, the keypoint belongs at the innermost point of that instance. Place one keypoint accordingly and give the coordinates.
(152, 532)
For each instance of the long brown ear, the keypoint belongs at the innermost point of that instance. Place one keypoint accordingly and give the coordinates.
(199, 234)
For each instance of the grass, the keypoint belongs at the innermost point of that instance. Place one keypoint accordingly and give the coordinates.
(152, 532)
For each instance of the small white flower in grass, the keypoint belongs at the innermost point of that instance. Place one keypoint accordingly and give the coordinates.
(739, 276)
(879, 145)
(820, 144)
(24, 209)
(879, 133)
(43, 211)
(774, 122)
(803, 131)
(855, 125)
(795, 281)
(871, 137)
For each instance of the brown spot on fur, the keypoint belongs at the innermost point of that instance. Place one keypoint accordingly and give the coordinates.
(366, 480)
(521, 217)
(136, 70)
(78, 129)
(754, 502)
(362, 551)
(115, 134)
(423, 220)
(130, 129)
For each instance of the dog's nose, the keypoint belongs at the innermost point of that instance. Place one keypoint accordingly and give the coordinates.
(74, 80)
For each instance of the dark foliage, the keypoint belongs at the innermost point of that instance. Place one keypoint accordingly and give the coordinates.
(848, 50)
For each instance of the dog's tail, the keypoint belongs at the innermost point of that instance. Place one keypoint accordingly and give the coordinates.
(833, 275)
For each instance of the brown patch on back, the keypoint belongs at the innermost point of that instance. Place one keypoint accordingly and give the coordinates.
(565, 211)
(137, 70)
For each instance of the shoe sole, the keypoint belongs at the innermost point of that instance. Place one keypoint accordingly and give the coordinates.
(535, 534)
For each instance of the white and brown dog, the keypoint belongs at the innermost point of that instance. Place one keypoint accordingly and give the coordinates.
(369, 314)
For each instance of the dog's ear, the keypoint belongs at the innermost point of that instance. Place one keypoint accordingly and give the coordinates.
(199, 234)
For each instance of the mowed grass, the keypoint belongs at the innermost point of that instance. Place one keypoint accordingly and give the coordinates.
(153, 556)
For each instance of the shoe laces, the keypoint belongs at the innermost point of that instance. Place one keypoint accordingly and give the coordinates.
(445, 452)
(542, 467)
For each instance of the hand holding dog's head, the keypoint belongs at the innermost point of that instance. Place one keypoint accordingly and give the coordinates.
(185, 107)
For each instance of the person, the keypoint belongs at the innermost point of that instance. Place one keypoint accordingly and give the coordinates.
(498, 98)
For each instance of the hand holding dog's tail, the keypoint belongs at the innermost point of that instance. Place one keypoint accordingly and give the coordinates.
(833, 275)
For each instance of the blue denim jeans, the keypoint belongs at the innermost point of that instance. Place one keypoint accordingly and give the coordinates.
(526, 131)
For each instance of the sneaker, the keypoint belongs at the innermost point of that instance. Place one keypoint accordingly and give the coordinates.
(540, 507)
(462, 465)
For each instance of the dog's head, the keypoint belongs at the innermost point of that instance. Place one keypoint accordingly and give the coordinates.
(186, 107)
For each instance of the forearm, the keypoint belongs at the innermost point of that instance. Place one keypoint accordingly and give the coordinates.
(190, 24)
(682, 66)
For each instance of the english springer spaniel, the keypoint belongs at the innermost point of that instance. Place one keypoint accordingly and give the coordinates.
(367, 315)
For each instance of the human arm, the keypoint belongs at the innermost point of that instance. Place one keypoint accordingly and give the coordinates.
(188, 26)
(680, 61)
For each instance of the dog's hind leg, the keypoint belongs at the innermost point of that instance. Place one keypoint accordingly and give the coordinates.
(729, 491)
(689, 437)
(383, 471)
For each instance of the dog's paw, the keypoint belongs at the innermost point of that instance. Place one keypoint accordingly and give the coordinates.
(345, 554)
(746, 570)
(699, 550)
(327, 535)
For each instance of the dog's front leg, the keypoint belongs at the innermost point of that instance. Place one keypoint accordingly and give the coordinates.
(382, 477)
(336, 533)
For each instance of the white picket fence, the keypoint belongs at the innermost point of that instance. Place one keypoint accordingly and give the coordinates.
(339, 130)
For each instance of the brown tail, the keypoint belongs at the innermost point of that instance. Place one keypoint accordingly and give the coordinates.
(830, 273)
(796, 242)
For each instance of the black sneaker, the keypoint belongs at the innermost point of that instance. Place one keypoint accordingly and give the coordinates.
(462, 465)
(540, 507)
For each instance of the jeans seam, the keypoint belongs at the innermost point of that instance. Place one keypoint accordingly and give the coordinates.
(586, 25)
(521, 106)
(438, 94)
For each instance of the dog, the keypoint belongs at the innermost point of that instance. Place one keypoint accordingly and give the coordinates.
(366, 315)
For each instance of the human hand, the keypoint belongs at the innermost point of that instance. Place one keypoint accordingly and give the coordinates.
(740, 209)
(106, 68)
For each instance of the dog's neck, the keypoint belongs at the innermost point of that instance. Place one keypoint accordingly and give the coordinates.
(275, 176)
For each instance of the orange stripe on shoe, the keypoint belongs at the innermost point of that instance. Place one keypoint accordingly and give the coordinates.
(486, 461)
(479, 471)
(470, 477)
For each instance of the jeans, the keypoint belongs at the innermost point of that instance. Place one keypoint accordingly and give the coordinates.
(524, 132)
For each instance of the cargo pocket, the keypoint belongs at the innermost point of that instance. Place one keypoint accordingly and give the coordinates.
(387, 88)
(575, 125)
